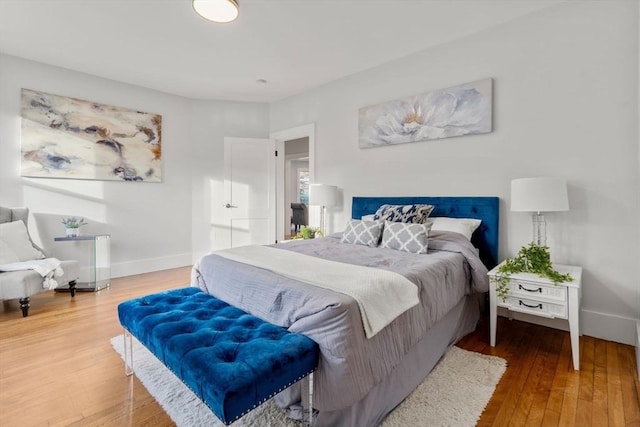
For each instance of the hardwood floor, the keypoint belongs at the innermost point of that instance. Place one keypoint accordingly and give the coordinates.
(57, 367)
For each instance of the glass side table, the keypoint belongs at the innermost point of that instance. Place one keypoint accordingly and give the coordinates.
(100, 263)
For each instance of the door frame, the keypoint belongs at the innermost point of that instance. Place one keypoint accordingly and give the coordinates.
(308, 131)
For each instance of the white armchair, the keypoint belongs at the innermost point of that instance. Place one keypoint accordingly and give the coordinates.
(23, 284)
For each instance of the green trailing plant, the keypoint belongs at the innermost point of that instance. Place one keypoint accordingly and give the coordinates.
(308, 233)
(531, 259)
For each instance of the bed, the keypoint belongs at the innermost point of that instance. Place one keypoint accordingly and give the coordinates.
(362, 376)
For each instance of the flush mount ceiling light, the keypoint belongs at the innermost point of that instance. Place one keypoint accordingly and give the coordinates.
(217, 10)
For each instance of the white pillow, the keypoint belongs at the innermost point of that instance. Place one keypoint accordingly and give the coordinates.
(368, 217)
(7, 255)
(464, 226)
(15, 235)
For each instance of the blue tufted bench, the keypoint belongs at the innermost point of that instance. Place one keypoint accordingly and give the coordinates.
(231, 360)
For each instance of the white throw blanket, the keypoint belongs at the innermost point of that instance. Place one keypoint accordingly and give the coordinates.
(381, 295)
(48, 268)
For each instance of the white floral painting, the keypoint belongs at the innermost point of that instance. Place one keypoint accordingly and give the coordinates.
(461, 110)
(72, 138)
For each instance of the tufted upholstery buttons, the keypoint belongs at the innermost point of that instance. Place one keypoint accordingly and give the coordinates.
(231, 360)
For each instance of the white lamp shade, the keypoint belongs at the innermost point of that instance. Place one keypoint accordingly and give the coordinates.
(217, 10)
(544, 194)
(322, 195)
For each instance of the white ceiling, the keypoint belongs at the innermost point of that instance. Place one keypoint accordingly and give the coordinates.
(293, 44)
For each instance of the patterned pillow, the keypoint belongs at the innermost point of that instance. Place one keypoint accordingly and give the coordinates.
(362, 232)
(404, 213)
(406, 237)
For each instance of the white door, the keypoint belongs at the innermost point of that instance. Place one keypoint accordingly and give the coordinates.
(250, 191)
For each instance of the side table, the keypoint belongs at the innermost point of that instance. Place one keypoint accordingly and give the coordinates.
(100, 268)
(538, 296)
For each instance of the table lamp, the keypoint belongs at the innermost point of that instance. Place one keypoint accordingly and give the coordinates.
(322, 195)
(538, 195)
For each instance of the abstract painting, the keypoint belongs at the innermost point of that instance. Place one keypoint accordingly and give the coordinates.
(72, 138)
(460, 110)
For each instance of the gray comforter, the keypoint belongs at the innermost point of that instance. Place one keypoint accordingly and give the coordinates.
(350, 364)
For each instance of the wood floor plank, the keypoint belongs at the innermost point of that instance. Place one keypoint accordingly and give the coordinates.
(615, 413)
(551, 351)
(600, 398)
(570, 395)
(558, 385)
(57, 367)
(584, 410)
(522, 413)
(523, 354)
(630, 398)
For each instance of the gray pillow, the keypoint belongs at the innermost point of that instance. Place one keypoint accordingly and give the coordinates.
(365, 233)
(406, 237)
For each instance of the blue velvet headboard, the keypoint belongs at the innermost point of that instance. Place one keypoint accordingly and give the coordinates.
(487, 209)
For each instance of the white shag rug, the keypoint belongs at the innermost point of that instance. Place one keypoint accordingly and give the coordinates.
(454, 394)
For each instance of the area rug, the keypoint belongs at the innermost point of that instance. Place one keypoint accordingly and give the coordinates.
(454, 394)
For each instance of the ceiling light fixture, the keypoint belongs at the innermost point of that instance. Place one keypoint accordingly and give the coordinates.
(217, 10)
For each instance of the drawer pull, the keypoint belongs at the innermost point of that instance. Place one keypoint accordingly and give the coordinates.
(531, 306)
(529, 290)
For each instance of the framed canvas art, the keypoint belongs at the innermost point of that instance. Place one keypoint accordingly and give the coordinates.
(72, 138)
(460, 110)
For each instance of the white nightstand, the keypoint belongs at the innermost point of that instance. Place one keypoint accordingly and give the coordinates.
(538, 296)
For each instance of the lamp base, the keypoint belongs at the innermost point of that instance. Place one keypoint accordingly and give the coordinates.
(322, 221)
(539, 229)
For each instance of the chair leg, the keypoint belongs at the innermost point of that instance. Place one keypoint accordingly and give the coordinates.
(24, 306)
(72, 288)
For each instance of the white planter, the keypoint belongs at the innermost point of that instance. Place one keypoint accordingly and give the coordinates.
(72, 232)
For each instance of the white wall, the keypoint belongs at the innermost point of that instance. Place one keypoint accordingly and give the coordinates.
(152, 226)
(146, 221)
(565, 104)
(212, 122)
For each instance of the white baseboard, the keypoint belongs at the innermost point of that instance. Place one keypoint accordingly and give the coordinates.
(608, 327)
(598, 325)
(148, 265)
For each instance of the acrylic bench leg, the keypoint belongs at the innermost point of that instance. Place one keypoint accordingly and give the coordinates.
(128, 353)
(307, 401)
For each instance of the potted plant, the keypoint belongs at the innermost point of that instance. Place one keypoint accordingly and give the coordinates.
(308, 233)
(531, 259)
(72, 225)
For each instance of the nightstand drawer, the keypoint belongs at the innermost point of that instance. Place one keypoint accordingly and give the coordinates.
(526, 289)
(537, 307)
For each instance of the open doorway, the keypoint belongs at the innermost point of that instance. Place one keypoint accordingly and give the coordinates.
(296, 180)
(301, 142)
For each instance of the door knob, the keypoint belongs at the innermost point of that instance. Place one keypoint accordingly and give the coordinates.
(228, 206)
